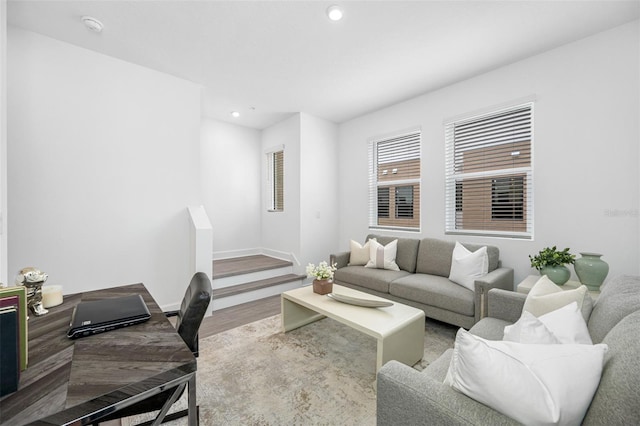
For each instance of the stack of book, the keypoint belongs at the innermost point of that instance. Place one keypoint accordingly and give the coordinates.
(14, 345)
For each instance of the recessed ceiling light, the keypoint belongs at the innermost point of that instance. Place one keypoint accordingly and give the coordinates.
(334, 13)
(92, 23)
(235, 114)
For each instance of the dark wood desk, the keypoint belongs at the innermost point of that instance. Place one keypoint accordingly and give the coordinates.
(77, 381)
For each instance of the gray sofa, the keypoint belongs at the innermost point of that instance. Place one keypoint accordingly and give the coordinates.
(408, 397)
(422, 280)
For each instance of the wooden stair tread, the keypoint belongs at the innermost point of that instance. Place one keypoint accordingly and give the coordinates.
(246, 264)
(255, 285)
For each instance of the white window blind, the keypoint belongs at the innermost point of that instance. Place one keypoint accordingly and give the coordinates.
(394, 181)
(275, 180)
(489, 174)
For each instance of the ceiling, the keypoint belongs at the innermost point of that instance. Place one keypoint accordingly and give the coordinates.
(270, 59)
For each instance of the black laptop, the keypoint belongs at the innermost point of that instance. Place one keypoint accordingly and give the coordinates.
(107, 314)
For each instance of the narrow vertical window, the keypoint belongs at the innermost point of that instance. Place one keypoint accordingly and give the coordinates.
(489, 174)
(394, 179)
(507, 198)
(383, 202)
(275, 180)
(404, 202)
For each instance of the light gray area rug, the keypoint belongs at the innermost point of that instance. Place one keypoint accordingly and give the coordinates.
(320, 374)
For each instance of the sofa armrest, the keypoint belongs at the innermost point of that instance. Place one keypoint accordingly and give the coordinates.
(505, 305)
(408, 397)
(340, 259)
(498, 278)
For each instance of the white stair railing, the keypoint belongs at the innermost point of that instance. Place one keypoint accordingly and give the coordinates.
(200, 242)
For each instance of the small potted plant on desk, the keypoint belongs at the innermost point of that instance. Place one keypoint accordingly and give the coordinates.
(550, 262)
(323, 277)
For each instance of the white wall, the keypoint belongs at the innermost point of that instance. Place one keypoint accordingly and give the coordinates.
(230, 162)
(307, 229)
(319, 189)
(3, 142)
(103, 164)
(586, 149)
(281, 230)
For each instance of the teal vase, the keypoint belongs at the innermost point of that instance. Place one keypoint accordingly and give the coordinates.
(557, 274)
(591, 270)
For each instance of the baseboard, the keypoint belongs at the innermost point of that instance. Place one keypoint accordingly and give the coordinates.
(281, 255)
(228, 254)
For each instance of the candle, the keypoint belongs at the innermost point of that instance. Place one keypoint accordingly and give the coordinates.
(51, 295)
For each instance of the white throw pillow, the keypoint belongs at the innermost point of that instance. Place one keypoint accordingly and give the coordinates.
(545, 296)
(359, 253)
(564, 325)
(533, 384)
(383, 257)
(529, 329)
(466, 266)
(567, 324)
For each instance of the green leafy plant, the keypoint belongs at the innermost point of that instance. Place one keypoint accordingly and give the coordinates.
(550, 256)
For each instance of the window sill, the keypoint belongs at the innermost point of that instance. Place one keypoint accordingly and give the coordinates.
(393, 228)
(493, 234)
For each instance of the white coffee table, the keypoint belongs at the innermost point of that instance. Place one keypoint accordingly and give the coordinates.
(399, 329)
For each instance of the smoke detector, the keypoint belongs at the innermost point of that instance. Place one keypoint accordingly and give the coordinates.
(92, 23)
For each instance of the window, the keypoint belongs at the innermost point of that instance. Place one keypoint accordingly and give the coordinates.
(383, 202)
(507, 198)
(394, 179)
(404, 202)
(489, 174)
(275, 180)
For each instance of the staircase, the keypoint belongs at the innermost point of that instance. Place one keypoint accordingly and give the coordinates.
(244, 279)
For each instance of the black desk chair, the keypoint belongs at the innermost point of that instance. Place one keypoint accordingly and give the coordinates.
(189, 317)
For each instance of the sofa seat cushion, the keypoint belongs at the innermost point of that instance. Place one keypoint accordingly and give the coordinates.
(490, 328)
(434, 291)
(374, 279)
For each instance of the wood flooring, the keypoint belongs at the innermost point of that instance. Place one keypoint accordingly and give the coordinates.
(235, 316)
(243, 265)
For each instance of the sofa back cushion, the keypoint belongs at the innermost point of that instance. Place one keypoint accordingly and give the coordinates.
(619, 297)
(434, 256)
(407, 251)
(616, 400)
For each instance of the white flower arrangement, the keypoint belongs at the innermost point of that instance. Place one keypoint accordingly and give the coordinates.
(323, 271)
